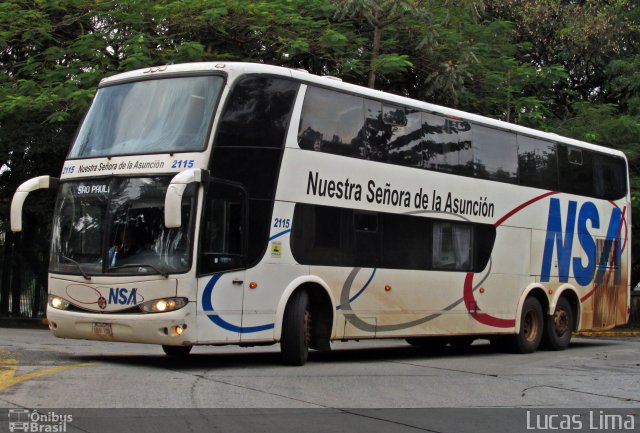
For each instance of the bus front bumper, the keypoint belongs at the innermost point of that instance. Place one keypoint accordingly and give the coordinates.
(174, 328)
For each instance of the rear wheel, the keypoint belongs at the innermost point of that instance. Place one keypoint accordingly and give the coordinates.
(531, 328)
(559, 326)
(296, 330)
(177, 351)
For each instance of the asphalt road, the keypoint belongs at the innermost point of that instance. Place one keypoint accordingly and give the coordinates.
(359, 386)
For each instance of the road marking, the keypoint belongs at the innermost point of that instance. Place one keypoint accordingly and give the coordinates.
(9, 368)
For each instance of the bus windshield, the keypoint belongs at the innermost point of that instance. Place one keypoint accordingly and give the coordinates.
(143, 117)
(116, 226)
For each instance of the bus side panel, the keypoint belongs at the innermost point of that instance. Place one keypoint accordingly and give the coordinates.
(219, 312)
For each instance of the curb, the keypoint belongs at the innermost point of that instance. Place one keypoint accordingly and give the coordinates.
(607, 334)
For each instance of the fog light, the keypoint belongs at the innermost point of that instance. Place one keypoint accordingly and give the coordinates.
(58, 303)
(163, 305)
(179, 329)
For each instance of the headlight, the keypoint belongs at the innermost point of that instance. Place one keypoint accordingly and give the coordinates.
(163, 305)
(58, 303)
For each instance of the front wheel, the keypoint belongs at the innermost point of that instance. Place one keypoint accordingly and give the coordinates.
(531, 328)
(296, 330)
(559, 326)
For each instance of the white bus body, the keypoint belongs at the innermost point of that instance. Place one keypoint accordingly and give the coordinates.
(311, 210)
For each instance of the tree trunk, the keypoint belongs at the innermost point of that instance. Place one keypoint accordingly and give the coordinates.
(375, 52)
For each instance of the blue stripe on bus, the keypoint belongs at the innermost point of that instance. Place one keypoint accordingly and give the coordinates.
(215, 318)
(277, 235)
(354, 297)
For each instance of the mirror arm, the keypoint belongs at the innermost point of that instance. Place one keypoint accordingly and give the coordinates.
(19, 197)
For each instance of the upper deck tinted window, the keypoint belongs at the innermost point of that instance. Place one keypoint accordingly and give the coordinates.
(257, 113)
(495, 154)
(609, 176)
(576, 170)
(332, 122)
(537, 163)
(446, 145)
(393, 134)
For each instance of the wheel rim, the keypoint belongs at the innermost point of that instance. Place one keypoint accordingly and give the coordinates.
(531, 326)
(561, 321)
(306, 327)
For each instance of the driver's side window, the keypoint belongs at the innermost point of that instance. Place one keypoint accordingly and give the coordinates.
(222, 245)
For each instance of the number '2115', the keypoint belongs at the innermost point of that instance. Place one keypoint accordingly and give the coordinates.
(183, 163)
(283, 223)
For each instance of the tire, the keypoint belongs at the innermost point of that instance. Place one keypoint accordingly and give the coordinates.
(531, 328)
(296, 330)
(559, 326)
(177, 351)
(433, 343)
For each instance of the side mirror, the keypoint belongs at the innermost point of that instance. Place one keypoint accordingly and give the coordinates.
(173, 198)
(40, 182)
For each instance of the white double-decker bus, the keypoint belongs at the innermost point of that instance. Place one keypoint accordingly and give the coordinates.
(234, 203)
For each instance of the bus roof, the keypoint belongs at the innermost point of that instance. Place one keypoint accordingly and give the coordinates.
(234, 69)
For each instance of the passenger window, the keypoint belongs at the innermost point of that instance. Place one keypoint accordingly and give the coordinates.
(393, 134)
(332, 122)
(331, 236)
(257, 113)
(495, 154)
(610, 177)
(575, 171)
(452, 246)
(446, 145)
(537, 163)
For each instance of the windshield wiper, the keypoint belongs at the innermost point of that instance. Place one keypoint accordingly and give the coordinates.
(86, 277)
(133, 265)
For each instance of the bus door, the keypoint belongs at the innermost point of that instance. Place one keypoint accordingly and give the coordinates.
(222, 259)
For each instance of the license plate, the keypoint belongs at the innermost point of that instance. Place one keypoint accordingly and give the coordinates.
(102, 330)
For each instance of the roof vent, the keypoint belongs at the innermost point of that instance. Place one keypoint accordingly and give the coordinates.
(332, 77)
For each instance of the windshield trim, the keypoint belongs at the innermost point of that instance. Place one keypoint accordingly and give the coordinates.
(208, 136)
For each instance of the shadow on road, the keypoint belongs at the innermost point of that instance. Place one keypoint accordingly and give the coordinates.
(220, 357)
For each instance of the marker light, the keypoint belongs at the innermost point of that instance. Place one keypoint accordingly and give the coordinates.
(58, 303)
(163, 305)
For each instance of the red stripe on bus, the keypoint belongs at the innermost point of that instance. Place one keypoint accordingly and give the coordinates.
(472, 308)
(522, 206)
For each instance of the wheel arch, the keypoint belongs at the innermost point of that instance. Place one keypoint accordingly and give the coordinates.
(537, 291)
(321, 300)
